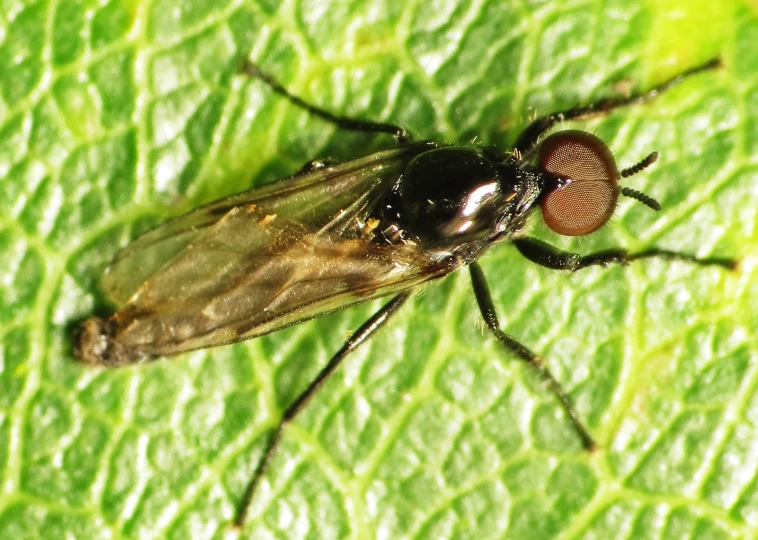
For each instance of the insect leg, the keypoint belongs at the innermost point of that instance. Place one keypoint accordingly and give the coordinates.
(487, 309)
(401, 134)
(360, 336)
(534, 131)
(544, 254)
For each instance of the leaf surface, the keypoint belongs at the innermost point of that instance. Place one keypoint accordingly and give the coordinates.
(115, 116)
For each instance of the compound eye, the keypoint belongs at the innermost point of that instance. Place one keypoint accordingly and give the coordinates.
(587, 200)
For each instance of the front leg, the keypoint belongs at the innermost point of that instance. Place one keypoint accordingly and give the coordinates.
(549, 256)
(534, 131)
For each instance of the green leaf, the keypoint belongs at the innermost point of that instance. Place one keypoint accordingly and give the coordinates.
(115, 116)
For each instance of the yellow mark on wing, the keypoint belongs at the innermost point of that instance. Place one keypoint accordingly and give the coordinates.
(267, 220)
(369, 226)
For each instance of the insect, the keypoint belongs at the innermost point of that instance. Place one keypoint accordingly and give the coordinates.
(336, 235)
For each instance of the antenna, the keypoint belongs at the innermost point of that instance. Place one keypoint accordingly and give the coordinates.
(644, 164)
(647, 200)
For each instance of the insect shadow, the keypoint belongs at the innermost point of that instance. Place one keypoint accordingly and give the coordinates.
(339, 234)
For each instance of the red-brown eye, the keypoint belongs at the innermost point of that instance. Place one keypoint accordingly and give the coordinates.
(587, 202)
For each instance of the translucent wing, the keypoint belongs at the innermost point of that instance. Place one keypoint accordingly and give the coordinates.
(308, 199)
(265, 259)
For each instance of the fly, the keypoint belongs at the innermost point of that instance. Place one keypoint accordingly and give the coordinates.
(336, 235)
